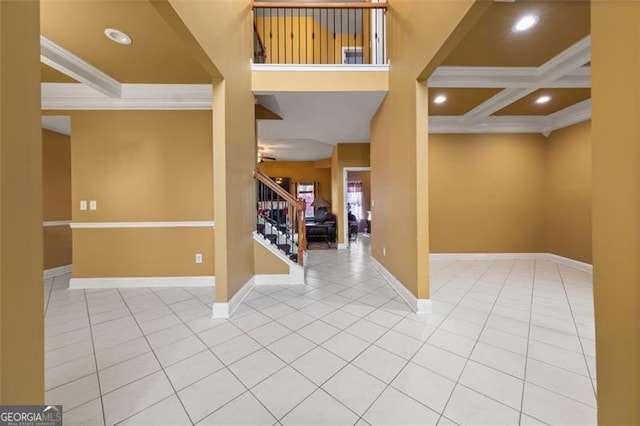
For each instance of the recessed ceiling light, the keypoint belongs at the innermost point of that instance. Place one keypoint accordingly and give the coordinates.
(524, 23)
(440, 99)
(543, 99)
(117, 36)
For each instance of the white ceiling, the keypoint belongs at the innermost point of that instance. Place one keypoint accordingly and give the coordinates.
(313, 122)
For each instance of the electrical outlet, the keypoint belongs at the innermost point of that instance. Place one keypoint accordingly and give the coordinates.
(198, 257)
(83, 204)
(384, 251)
(93, 205)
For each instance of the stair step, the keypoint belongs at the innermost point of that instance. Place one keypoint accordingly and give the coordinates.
(271, 237)
(260, 228)
(285, 248)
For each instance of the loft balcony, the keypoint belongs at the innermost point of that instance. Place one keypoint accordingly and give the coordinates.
(333, 35)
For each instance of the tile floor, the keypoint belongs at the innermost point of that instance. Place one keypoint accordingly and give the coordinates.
(509, 342)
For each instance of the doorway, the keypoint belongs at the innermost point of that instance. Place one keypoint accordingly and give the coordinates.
(357, 202)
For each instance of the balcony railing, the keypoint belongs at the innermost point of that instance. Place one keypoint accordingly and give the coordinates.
(320, 33)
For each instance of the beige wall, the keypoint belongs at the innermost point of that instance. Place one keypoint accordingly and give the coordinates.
(345, 155)
(21, 292)
(56, 182)
(229, 46)
(399, 136)
(615, 65)
(142, 252)
(300, 172)
(487, 193)
(569, 192)
(320, 81)
(142, 166)
(265, 262)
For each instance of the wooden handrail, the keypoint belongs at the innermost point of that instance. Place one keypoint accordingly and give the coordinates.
(287, 5)
(277, 189)
(300, 206)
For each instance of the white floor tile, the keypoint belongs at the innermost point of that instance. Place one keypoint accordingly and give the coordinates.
(318, 332)
(345, 345)
(366, 330)
(399, 344)
(190, 370)
(354, 388)
(493, 383)
(424, 386)
(415, 329)
(169, 411)
(395, 408)
(291, 347)
(318, 365)
(296, 320)
(179, 350)
(320, 409)
(553, 408)
(452, 342)
(75, 393)
(207, 395)
(256, 367)
(561, 381)
(505, 361)
(380, 363)
(269, 333)
(441, 361)
(89, 414)
(500, 339)
(128, 371)
(467, 407)
(122, 352)
(562, 358)
(283, 391)
(244, 410)
(135, 397)
(69, 371)
(235, 349)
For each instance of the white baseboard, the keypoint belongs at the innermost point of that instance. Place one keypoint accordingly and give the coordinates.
(487, 256)
(515, 256)
(224, 310)
(419, 306)
(136, 282)
(586, 267)
(56, 272)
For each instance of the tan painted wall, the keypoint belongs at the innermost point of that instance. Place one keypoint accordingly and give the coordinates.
(320, 81)
(142, 166)
(569, 192)
(300, 172)
(229, 44)
(264, 262)
(21, 292)
(399, 137)
(615, 65)
(142, 252)
(345, 155)
(487, 193)
(56, 181)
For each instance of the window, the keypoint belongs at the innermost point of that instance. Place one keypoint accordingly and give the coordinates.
(354, 199)
(306, 191)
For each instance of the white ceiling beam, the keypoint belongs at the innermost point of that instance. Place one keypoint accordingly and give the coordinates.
(75, 67)
(70, 96)
(57, 123)
(564, 63)
(569, 116)
(504, 77)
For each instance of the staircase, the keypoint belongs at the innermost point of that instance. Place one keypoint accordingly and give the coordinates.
(280, 218)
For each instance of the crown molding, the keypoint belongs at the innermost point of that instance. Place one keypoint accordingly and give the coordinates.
(504, 77)
(76, 96)
(544, 124)
(75, 67)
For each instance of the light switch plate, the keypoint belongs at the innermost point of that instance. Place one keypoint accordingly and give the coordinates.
(83, 204)
(93, 205)
(198, 257)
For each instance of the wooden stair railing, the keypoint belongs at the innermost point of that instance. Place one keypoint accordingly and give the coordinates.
(298, 224)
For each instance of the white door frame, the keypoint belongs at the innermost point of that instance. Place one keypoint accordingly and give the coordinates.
(345, 206)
